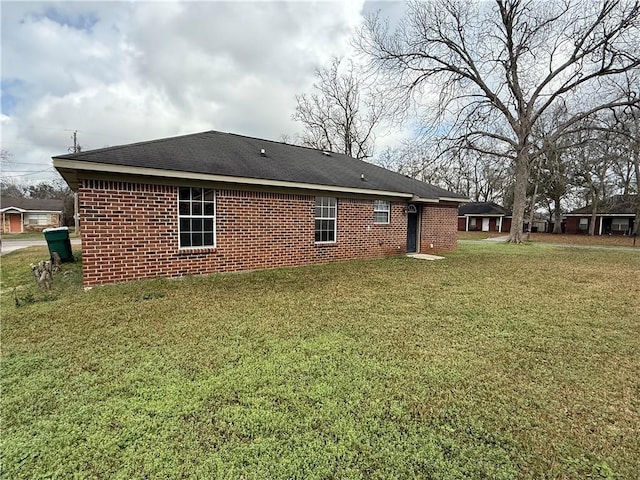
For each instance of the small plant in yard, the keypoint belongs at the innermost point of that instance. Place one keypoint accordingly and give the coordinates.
(152, 295)
(29, 298)
(44, 289)
(499, 362)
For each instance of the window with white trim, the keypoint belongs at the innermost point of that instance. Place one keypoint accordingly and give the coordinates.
(584, 224)
(39, 219)
(326, 219)
(472, 223)
(196, 217)
(381, 211)
(620, 224)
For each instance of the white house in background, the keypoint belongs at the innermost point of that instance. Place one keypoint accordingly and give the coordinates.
(20, 215)
(483, 216)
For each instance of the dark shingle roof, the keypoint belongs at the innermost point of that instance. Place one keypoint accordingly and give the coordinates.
(32, 204)
(234, 155)
(482, 208)
(624, 204)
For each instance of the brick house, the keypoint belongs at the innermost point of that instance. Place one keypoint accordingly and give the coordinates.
(20, 215)
(220, 202)
(483, 216)
(614, 216)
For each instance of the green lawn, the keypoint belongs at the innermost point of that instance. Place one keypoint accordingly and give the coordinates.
(499, 362)
(32, 235)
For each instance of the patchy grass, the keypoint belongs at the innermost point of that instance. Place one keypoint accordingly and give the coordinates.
(499, 362)
(596, 240)
(564, 239)
(479, 235)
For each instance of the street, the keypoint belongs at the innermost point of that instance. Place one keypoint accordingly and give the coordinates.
(12, 245)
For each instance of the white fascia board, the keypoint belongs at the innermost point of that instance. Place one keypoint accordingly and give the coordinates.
(16, 209)
(417, 199)
(599, 215)
(157, 172)
(454, 199)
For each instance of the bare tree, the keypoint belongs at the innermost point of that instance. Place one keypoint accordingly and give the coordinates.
(633, 130)
(552, 169)
(627, 128)
(341, 114)
(463, 171)
(592, 169)
(9, 188)
(554, 181)
(498, 69)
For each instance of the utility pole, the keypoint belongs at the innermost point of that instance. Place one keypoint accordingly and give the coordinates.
(76, 216)
(76, 146)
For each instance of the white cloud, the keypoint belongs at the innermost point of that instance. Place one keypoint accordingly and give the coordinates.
(131, 71)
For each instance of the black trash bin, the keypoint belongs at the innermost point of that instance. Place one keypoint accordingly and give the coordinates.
(58, 241)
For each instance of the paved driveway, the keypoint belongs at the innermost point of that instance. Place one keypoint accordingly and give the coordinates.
(11, 245)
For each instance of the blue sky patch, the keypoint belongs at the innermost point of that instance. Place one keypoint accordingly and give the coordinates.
(9, 95)
(77, 21)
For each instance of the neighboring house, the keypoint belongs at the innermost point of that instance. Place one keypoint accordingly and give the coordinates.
(614, 216)
(540, 224)
(29, 214)
(483, 216)
(219, 202)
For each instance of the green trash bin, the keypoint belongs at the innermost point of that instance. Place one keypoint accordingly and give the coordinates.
(58, 241)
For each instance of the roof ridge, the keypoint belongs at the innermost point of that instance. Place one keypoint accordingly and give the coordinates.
(134, 144)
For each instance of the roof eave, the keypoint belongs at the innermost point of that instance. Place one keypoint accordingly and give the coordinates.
(455, 199)
(485, 215)
(6, 209)
(65, 166)
(603, 214)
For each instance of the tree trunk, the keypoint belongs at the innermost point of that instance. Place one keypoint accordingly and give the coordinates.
(594, 215)
(636, 167)
(519, 197)
(557, 215)
(533, 211)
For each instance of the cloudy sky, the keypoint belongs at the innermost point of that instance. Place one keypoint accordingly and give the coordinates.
(121, 72)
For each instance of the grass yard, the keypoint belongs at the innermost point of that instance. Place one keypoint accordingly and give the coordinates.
(33, 235)
(499, 362)
(479, 235)
(596, 240)
(562, 239)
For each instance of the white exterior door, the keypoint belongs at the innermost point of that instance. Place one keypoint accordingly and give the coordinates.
(485, 224)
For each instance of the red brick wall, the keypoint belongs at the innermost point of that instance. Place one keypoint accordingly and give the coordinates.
(572, 225)
(438, 228)
(130, 231)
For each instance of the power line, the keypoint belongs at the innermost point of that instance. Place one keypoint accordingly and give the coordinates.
(27, 174)
(30, 144)
(35, 126)
(22, 163)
